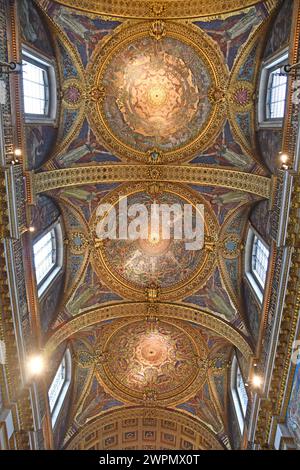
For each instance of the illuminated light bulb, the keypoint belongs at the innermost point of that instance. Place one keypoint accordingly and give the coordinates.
(31, 229)
(257, 381)
(18, 152)
(35, 365)
(284, 158)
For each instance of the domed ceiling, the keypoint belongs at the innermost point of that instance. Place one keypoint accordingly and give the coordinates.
(158, 260)
(147, 363)
(154, 110)
(156, 92)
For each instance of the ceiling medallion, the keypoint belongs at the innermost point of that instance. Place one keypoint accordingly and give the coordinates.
(152, 364)
(72, 93)
(78, 242)
(242, 96)
(136, 267)
(231, 246)
(162, 89)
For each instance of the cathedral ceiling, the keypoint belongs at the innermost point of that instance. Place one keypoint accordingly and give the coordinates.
(150, 365)
(153, 326)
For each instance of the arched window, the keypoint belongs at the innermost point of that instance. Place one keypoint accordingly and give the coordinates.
(39, 87)
(239, 393)
(47, 256)
(272, 92)
(256, 262)
(59, 386)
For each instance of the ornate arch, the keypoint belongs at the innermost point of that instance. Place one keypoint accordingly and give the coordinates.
(93, 432)
(149, 310)
(196, 174)
(162, 9)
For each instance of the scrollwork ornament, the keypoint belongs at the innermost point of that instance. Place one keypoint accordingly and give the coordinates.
(157, 9)
(217, 95)
(154, 173)
(158, 29)
(72, 93)
(242, 96)
(95, 94)
(230, 247)
(78, 243)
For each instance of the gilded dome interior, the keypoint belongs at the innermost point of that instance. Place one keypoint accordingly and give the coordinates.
(149, 225)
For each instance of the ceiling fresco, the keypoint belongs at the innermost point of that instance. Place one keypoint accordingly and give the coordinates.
(141, 90)
(156, 261)
(224, 40)
(153, 91)
(150, 364)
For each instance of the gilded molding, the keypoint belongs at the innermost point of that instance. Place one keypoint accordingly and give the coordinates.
(242, 93)
(180, 9)
(198, 175)
(224, 254)
(180, 388)
(65, 85)
(273, 405)
(194, 38)
(180, 290)
(142, 309)
(83, 232)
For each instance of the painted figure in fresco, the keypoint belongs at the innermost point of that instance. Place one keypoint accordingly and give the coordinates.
(72, 22)
(27, 25)
(35, 142)
(76, 154)
(94, 404)
(33, 29)
(231, 197)
(97, 400)
(233, 158)
(44, 213)
(251, 19)
(202, 406)
(79, 194)
(214, 298)
(282, 29)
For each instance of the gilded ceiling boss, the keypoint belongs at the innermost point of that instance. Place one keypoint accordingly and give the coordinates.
(149, 229)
